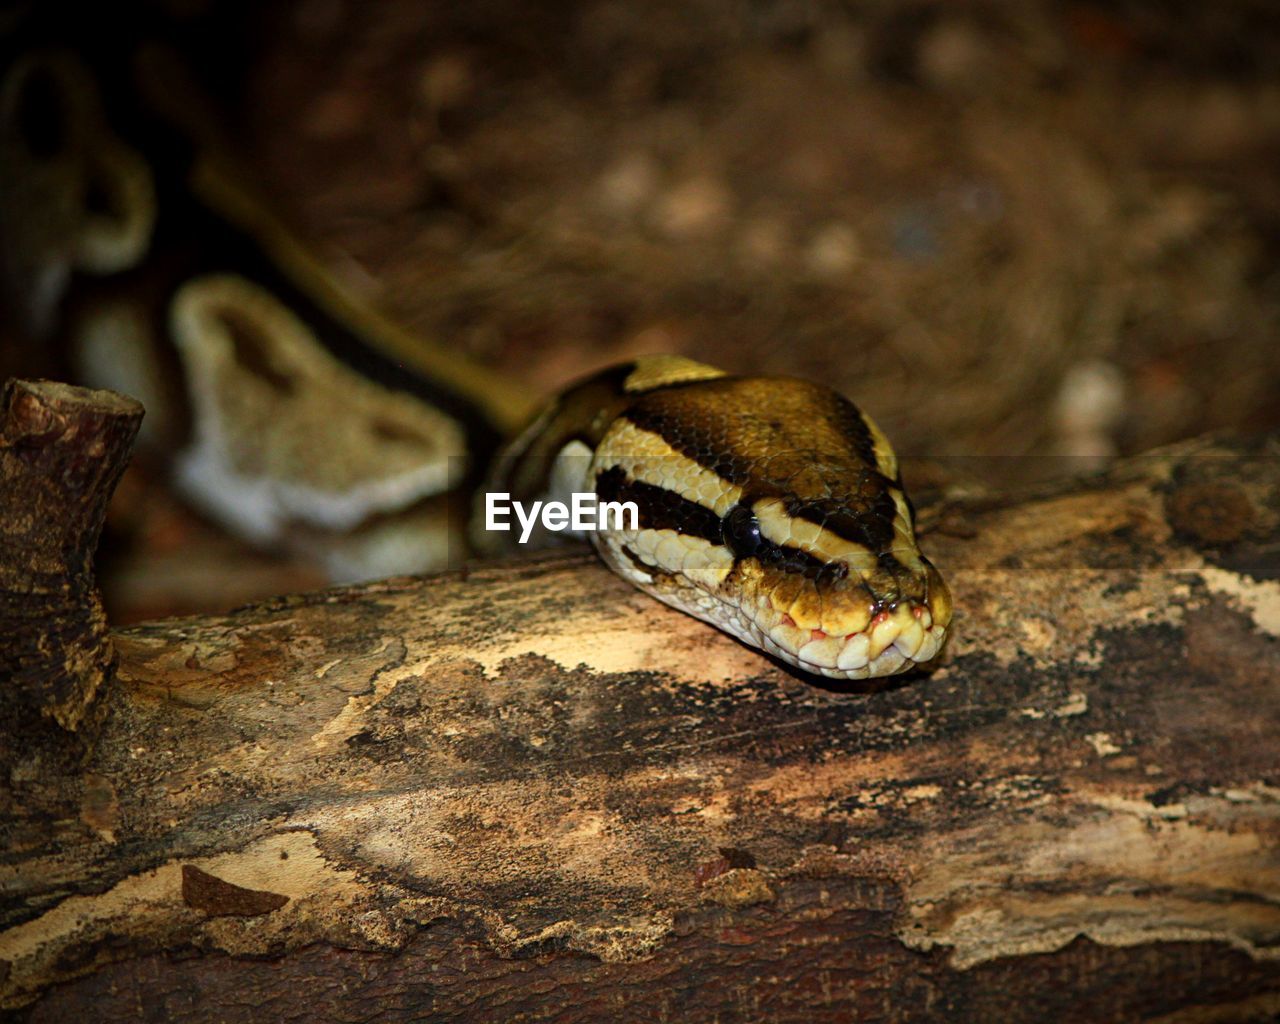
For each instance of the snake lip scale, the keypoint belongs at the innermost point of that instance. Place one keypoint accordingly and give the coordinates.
(892, 643)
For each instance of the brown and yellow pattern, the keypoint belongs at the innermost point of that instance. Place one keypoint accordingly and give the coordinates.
(771, 507)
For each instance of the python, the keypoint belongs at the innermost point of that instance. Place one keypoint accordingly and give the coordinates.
(770, 507)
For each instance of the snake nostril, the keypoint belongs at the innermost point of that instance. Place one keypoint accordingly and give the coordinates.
(817, 634)
(787, 620)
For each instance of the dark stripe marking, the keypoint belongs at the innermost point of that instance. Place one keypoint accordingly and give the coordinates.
(789, 559)
(692, 444)
(870, 526)
(710, 441)
(847, 419)
(659, 508)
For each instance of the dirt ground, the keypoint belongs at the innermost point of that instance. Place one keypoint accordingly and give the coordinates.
(1003, 229)
(1040, 234)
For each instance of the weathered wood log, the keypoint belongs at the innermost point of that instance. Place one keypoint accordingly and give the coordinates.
(62, 450)
(529, 792)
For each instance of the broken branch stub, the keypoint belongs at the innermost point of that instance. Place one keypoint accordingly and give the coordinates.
(62, 451)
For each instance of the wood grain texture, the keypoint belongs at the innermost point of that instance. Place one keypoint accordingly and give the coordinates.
(62, 450)
(529, 792)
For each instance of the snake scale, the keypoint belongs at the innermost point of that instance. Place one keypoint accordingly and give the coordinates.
(772, 508)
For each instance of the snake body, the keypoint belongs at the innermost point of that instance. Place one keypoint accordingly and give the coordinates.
(771, 508)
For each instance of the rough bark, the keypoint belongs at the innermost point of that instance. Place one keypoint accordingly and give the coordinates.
(62, 450)
(529, 792)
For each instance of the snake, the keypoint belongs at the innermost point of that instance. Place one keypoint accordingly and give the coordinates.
(771, 508)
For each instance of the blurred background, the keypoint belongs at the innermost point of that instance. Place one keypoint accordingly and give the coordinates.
(1034, 229)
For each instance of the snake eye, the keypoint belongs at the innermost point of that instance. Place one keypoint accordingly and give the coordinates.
(741, 531)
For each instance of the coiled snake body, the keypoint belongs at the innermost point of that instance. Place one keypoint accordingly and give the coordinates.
(770, 507)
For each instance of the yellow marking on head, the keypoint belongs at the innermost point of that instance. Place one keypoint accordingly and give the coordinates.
(902, 522)
(698, 560)
(777, 526)
(663, 370)
(886, 459)
(648, 458)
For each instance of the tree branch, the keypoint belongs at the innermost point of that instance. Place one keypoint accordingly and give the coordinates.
(530, 791)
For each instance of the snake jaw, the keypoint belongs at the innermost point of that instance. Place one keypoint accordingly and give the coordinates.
(850, 630)
(856, 629)
(894, 640)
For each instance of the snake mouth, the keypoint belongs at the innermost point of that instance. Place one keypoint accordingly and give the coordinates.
(844, 634)
(896, 639)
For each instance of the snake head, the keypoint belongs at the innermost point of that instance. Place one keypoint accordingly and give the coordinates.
(774, 509)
